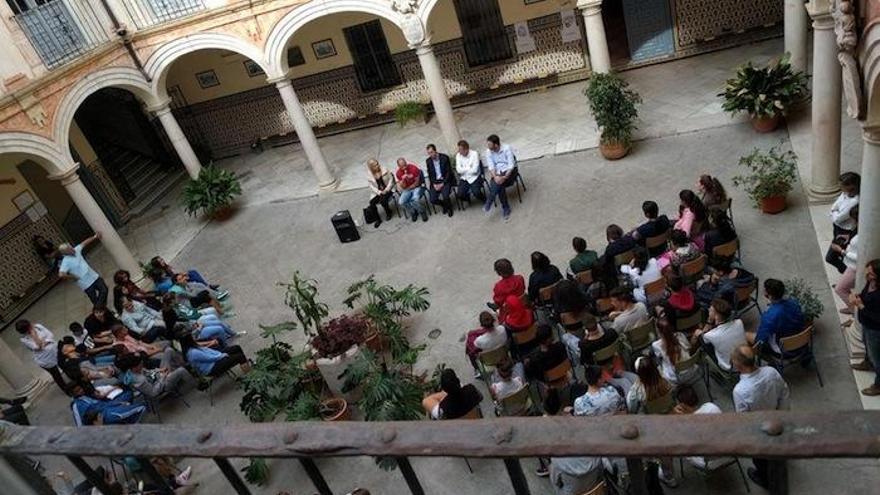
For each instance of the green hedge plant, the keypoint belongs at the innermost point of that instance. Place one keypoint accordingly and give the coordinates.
(409, 111)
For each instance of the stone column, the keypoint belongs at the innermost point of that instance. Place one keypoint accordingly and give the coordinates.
(869, 203)
(96, 219)
(796, 24)
(18, 375)
(178, 138)
(437, 90)
(326, 180)
(825, 168)
(597, 44)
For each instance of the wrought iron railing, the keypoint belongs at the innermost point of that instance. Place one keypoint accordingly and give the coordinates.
(63, 30)
(103, 188)
(774, 436)
(146, 13)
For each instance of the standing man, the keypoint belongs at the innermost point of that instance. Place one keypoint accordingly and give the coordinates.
(410, 187)
(40, 341)
(759, 389)
(441, 177)
(75, 267)
(502, 167)
(470, 173)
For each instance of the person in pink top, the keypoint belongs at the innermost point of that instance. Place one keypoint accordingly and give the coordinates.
(691, 216)
(409, 184)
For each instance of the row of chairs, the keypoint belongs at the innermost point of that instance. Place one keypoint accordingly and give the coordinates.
(432, 208)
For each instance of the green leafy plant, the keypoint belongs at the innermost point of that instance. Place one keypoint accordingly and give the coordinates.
(301, 295)
(306, 407)
(771, 173)
(613, 106)
(214, 190)
(764, 91)
(803, 293)
(257, 471)
(409, 111)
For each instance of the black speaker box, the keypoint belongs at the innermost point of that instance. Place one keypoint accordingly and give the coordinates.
(345, 227)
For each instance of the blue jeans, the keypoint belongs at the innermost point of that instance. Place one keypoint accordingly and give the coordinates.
(214, 328)
(872, 350)
(411, 201)
(500, 190)
(97, 292)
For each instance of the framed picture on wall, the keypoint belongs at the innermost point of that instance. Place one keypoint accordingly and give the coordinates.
(207, 79)
(23, 200)
(253, 69)
(324, 49)
(295, 56)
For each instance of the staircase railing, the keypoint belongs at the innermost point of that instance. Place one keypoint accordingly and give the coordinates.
(99, 183)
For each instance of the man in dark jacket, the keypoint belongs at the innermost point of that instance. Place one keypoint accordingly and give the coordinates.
(441, 178)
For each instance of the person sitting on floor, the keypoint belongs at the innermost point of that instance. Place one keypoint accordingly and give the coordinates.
(486, 338)
(153, 383)
(720, 231)
(721, 334)
(90, 407)
(689, 403)
(641, 271)
(618, 243)
(681, 251)
(502, 166)
(453, 401)
(549, 355)
(511, 284)
(78, 367)
(88, 345)
(194, 294)
(470, 173)
(99, 321)
(163, 276)
(508, 383)
(670, 349)
(782, 318)
(208, 362)
(409, 185)
(160, 354)
(712, 193)
(655, 225)
(599, 399)
(627, 313)
(441, 179)
(124, 287)
(544, 274)
(143, 321)
(584, 259)
(381, 182)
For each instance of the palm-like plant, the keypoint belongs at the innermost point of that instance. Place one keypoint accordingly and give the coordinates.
(214, 190)
(764, 92)
(301, 295)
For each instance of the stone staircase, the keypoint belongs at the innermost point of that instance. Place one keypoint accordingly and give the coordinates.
(147, 178)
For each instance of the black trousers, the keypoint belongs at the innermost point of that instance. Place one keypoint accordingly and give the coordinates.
(441, 197)
(235, 356)
(55, 371)
(835, 259)
(384, 200)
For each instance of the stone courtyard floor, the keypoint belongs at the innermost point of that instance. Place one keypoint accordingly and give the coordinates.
(569, 193)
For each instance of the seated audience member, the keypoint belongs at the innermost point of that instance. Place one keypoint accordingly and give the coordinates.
(651, 385)
(99, 321)
(453, 401)
(441, 179)
(502, 167)
(409, 185)
(124, 287)
(152, 385)
(682, 250)
(15, 413)
(641, 271)
(78, 367)
(655, 225)
(160, 354)
(627, 313)
(163, 275)
(575, 475)
(569, 298)
(618, 243)
(584, 259)
(470, 173)
(722, 333)
(89, 407)
(782, 318)
(87, 344)
(670, 349)
(208, 362)
(195, 294)
(142, 320)
(712, 193)
(722, 282)
(486, 338)
(544, 274)
(691, 215)
(516, 316)
(511, 284)
(620, 379)
(508, 383)
(547, 356)
(596, 338)
(689, 403)
(720, 231)
(681, 301)
(599, 399)
(381, 182)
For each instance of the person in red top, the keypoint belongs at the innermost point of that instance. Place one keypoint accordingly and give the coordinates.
(515, 315)
(510, 284)
(409, 184)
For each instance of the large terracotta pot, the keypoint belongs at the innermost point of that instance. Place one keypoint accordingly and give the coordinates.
(339, 410)
(223, 214)
(613, 150)
(765, 124)
(773, 204)
(373, 341)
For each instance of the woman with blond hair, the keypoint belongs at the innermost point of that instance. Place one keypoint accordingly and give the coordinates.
(381, 182)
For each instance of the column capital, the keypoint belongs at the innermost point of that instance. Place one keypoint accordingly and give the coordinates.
(423, 47)
(590, 7)
(67, 177)
(871, 135)
(160, 107)
(821, 16)
(281, 82)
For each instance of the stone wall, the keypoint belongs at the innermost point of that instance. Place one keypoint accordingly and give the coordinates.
(23, 272)
(701, 20)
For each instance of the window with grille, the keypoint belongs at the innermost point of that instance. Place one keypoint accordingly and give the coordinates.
(485, 37)
(373, 64)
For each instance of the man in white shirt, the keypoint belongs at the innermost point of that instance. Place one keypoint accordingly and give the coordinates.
(75, 267)
(142, 320)
(41, 342)
(689, 403)
(470, 173)
(759, 389)
(721, 332)
(627, 313)
(501, 163)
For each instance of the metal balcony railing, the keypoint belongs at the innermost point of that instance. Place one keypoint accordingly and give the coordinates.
(146, 13)
(62, 30)
(774, 436)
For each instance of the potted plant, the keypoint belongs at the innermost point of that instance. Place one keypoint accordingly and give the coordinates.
(410, 111)
(764, 92)
(308, 407)
(212, 193)
(613, 105)
(770, 177)
(803, 293)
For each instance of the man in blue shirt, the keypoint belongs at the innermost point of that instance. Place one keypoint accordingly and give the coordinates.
(783, 317)
(501, 164)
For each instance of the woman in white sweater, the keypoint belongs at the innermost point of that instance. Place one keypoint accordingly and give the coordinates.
(381, 182)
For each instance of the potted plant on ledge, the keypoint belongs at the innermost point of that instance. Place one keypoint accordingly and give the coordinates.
(771, 176)
(212, 193)
(766, 93)
(613, 105)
